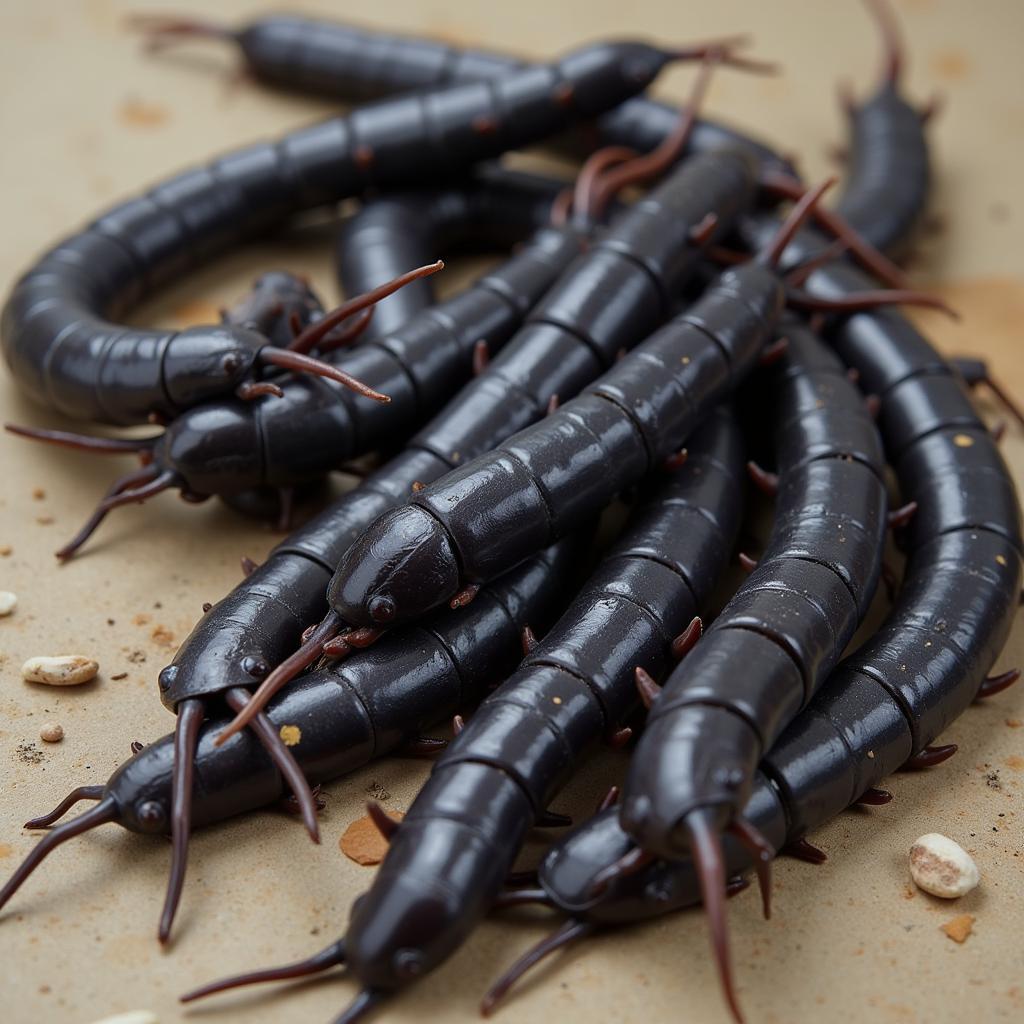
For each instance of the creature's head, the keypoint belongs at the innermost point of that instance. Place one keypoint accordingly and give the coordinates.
(401, 567)
(694, 760)
(279, 305)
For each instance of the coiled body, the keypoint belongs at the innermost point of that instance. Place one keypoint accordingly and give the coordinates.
(64, 351)
(229, 445)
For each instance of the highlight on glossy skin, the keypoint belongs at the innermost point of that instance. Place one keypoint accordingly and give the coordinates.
(311, 649)
(333, 329)
(152, 816)
(406, 562)
(186, 736)
(327, 637)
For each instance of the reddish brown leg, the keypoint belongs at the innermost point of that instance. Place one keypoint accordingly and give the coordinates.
(570, 932)
(464, 596)
(683, 644)
(874, 797)
(762, 853)
(805, 851)
(767, 483)
(900, 517)
(992, 685)
(646, 687)
(283, 674)
(186, 738)
(384, 823)
(929, 757)
(709, 861)
(284, 761)
(74, 797)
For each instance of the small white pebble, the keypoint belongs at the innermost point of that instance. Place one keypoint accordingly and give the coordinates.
(131, 1017)
(52, 732)
(65, 670)
(942, 867)
(8, 602)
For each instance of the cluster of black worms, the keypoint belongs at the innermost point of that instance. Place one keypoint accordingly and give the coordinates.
(665, 352)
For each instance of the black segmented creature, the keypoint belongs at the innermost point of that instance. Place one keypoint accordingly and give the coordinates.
(448, 859)
(64, 352)
(345, 714)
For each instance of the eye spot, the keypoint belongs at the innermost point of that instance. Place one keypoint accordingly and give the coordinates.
(408, 963)
(255, 667)
(151, 815)
(381, 609)
(231, 363)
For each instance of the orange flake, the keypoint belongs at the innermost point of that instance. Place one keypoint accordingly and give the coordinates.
(363, 843)
(959, 927)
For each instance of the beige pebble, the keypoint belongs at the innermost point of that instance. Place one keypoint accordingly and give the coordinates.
(64, 670)
(942, 867)
(8, 602)
(131, 1017)
(52, 732)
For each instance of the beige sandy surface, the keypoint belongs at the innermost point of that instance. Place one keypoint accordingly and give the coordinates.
(87, 119)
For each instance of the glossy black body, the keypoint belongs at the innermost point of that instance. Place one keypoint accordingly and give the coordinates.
(58, 339)
(276, 300)
(350, 712)
(356, 64)
(888, 176)
(893, 696)
(568, 339)
(229, 445)
(494, 210)
(888, 179)
(488, 515)
(787, 626)
(458, 840)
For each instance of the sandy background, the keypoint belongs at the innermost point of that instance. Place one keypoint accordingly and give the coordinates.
(87, 119)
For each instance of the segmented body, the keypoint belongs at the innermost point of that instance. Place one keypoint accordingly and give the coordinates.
(449, 857)
(254, 626)
(64, 351)
(568, 339)
(785, 629)
(888, 175)
(346, 713)
(354, 63)
(496, 510)
(492, 210)
(891, 698)
(316, 426)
